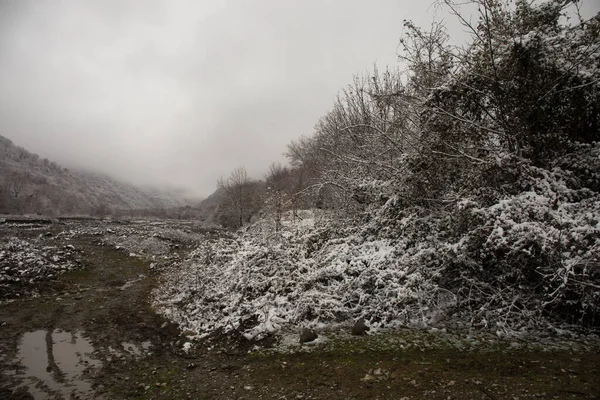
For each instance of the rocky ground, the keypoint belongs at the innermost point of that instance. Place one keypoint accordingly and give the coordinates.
(25, 265)
(75, 322)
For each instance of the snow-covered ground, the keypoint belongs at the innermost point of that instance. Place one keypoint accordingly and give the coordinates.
(24, 263)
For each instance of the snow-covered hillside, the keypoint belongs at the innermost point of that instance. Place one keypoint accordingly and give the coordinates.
(35, 185)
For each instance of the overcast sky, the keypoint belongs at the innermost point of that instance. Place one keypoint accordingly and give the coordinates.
(181, 92)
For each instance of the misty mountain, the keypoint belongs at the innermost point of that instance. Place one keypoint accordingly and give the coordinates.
(208, 208)
(31, 184)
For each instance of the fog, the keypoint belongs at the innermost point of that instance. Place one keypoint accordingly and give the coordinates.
(179, 93)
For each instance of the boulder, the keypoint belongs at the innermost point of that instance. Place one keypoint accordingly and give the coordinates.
(307, 335)
(359, 327)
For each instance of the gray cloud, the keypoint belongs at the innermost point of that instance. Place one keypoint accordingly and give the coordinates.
(182, 92)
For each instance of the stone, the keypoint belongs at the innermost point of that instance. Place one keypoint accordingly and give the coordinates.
(368, 378)
(359, 327)
(307, 335)
(21, 394)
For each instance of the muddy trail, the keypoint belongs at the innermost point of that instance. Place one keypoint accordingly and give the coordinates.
(93, 334)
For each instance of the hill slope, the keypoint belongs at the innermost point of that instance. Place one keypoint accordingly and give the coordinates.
(30, 184)
(208, 208)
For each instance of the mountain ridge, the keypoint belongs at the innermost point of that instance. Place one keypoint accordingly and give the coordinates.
(31, 184)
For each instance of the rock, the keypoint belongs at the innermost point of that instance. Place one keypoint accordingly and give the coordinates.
(368, 378)
(359, 327)
(307, 335)
(21, 394)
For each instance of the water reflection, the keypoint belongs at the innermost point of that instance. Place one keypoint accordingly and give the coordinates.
(54, 363)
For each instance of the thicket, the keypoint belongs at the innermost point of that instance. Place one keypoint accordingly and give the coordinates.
(482, 162)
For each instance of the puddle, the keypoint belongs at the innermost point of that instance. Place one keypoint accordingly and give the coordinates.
(52, 364)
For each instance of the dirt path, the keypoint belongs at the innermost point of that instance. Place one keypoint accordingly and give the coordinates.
(92, 334)
(92, 317)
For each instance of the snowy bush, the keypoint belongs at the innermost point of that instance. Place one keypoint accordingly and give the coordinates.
(309, 277)
(469, 187)
(527, 261)
(537, 253)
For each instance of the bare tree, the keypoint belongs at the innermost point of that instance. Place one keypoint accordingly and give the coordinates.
(102, 209)
(17, 182)
(280, 190)
(242, 198)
